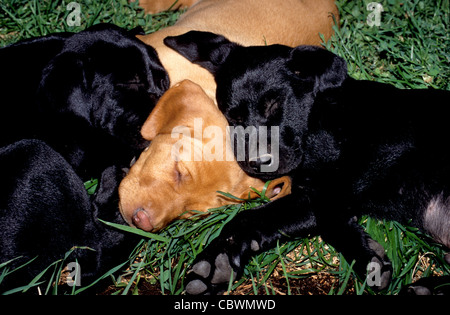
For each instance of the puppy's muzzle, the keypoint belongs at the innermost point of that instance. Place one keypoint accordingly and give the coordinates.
(141, 220)
(257, 162)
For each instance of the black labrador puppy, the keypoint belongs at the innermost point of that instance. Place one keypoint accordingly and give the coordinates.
(45, 211)
(86, 94)
(72, 106)
(352, 148)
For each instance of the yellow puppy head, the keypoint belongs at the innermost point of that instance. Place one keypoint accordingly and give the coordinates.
(187, 162)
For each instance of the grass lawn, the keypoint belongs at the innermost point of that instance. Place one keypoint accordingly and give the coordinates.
(409, 49)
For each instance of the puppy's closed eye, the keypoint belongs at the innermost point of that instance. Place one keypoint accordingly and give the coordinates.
(181, 173)
(132, 84)
(270, 105)
(271, 108)
(178, 176)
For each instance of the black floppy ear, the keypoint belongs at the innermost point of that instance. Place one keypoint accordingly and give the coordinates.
(157, 75)
(203, 48)
(136, 31)
(314, 62)
(71, 96)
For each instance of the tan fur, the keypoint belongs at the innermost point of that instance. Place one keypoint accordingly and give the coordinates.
(153, 183)
(247, 22)
(155, 6)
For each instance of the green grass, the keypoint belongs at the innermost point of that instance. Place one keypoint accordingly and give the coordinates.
(410, 49)
(20, 19)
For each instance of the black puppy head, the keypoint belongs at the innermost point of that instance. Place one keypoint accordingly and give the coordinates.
(107, 79)
(265, 86)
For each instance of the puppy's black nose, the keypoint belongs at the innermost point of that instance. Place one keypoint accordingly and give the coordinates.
(255, 163)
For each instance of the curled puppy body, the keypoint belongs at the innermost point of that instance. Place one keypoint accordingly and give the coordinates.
(175, 174)
(45, 212)
(94, 89)
(72, 109)
(248, 22)
(352, 148)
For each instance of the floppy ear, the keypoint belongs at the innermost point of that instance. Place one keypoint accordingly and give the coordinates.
(206, 49)
(178, 107)
(155, 122)
(138, 30)
(70, 97)
(172, 105)
(276, 189)
(157, 75)
(309, 61)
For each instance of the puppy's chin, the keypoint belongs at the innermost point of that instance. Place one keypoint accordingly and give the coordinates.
(257, 172)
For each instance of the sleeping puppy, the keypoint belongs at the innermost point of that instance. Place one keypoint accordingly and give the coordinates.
(86, 94)
(352, 148)
(81, 99)
(143, 193)
(187, 162)
(248, 22)
(45, 211)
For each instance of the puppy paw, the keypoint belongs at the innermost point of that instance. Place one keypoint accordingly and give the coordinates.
(379, 270)
(447, 258)
(379, 274)
(428, 286)
(417, 290)
(221, 262)
(210, 276)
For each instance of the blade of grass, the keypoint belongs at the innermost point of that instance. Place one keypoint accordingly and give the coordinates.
(139, 232)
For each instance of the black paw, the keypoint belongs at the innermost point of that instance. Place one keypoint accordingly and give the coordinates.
(379, 270)
(210, 276)
(428, 286)
(221, 262)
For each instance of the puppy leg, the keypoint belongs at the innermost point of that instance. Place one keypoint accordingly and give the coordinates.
(283, 219)
(106, 199)
(114, 245)
(428, 286)
(45, 211)
(350, 239)
(250, 233)
(44, 208)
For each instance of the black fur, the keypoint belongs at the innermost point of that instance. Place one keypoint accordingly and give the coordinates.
(45, 211)
(86, 94)
(352, 148)
(72, 106)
